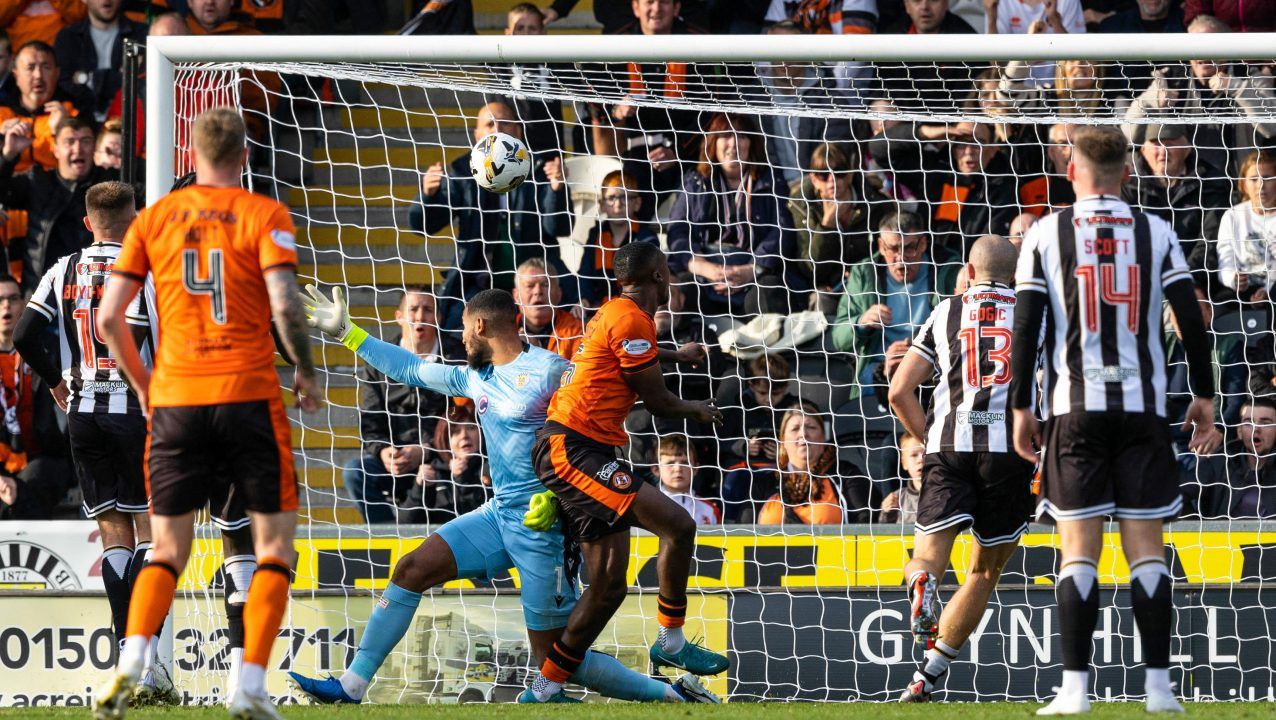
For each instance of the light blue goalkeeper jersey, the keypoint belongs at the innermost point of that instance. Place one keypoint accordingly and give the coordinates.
(510, 401)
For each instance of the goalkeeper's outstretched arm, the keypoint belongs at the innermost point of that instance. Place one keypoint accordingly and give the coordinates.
(332, 317)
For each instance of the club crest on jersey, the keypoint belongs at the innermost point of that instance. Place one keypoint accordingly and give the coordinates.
(482, 405)
(521, 380)
(635, 347)
(621, 480)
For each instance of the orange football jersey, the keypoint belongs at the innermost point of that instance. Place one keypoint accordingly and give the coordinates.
(209, 249)
(594, 399)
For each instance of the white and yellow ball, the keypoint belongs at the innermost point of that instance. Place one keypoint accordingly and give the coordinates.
(500, 162)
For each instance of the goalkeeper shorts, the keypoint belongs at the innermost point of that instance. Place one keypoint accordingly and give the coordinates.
(487, 542)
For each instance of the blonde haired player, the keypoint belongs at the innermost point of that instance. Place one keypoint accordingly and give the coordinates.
(224, 264)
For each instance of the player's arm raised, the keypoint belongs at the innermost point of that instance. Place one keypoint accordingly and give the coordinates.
(114, 330)
(331, 316)
(290, 319)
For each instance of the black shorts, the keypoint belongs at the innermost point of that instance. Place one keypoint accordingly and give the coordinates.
(990, 493)
(230, 455)
(594, 487)
(107, 450)
(226, 508)
(1101, 463)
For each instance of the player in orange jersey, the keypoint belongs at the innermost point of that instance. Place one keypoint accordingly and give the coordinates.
(600, 498)
(224, 264)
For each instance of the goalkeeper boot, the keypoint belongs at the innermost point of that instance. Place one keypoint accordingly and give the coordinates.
(1160, 701)
(327, 691)
(924, 593)
(693, 691)
(1067, 703)
(692, 657)
(247, 706)
(529, 697)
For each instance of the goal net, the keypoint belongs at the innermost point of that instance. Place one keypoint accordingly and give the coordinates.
(766, 166)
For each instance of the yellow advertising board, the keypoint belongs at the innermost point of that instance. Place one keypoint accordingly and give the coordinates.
(793, 561)
(56, 650)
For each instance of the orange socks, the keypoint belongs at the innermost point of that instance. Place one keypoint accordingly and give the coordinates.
(671, 613)
(561, 663)
(264, 611)
(152, 597)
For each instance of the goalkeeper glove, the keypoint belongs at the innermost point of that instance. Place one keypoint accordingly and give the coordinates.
(542, 511)
(332, 316)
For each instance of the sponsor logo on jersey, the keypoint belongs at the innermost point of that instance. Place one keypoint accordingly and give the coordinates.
(1104, 220)
(622, 480)
(482, 404)
(104, 386)
(94, 268)
(606, 471)
(1110, 374)
(635, 347)
(284, 239)
(980, 417)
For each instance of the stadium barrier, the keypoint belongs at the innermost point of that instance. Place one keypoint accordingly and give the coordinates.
(809, 616)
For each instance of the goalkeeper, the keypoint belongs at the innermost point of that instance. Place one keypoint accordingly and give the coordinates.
(511, 384)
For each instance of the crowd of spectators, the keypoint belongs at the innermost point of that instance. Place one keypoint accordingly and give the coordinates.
(862, 221)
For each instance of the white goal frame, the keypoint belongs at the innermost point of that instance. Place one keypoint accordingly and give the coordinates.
(162, 53)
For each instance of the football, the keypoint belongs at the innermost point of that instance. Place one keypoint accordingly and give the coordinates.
(500, 162)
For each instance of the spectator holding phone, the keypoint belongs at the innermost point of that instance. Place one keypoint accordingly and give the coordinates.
(1247, 231)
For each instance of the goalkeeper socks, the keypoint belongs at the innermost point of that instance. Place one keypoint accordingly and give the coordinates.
(387, 626)
(264, 612)
(1153, 606)
(671, 614)
(605, 675)
(561, 662)
(151, 599)
(115, 561)
(1077, 594)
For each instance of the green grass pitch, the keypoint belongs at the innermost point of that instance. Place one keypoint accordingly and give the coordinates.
(618, 711)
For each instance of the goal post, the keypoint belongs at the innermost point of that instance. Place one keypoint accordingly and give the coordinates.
(162, 53)
(812, 613)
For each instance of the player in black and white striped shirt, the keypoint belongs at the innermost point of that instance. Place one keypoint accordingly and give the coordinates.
(105, 422)
(1095, 274)
(971, 476)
